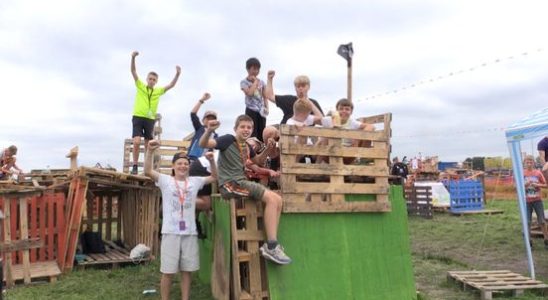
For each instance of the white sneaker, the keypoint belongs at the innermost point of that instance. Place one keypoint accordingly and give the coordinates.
(276, 255)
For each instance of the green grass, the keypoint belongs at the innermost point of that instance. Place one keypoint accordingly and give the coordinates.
(481, 242)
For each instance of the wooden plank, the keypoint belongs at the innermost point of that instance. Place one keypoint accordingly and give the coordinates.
(8, 270)
(38, 270)
(255, 276)
(175, 143)
(344, 188)
(42, 221)
(33, 226)
(18, 245)
(333, 149)
(324, 207)
(59, 198)
(235, 264)
(24, 234)
(108, 234)
(99, 202)
(379, 136)
(329, 169)
(15, 228)
(50, 226)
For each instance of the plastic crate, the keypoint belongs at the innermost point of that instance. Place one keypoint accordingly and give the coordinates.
(466, 195)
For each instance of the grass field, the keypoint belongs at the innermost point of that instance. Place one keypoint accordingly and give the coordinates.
(481, 242)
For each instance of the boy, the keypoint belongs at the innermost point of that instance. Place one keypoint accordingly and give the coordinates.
(179, 248)
(256, 96)
(145, 106)
(534, 180)
(234, 152)
(195, 150)
(286, 102)
(7, 162)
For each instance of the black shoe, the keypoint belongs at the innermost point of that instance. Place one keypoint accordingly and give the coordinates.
(134, 170)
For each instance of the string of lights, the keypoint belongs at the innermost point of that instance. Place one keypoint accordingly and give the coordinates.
(451, 74)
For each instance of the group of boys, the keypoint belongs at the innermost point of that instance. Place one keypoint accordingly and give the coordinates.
(240, 155)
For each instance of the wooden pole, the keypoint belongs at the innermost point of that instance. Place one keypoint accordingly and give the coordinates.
(349, 81)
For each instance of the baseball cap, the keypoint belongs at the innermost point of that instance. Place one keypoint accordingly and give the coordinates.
(210, 113)
(179, 155)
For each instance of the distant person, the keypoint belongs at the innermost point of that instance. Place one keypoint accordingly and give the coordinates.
(145, 107)
(234, 153)
(286, 102)
(534, 181)
(399, 169)
(179, 247)
(8, 164)
(256, 96)
(542, 148)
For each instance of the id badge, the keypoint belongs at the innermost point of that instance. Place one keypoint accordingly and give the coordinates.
(182, 225)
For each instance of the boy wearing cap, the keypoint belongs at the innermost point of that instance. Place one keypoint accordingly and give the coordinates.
(195, 150)
(145, 106)
(234, 153)
(179, 248)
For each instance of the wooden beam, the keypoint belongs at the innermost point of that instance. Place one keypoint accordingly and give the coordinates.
(21, 245)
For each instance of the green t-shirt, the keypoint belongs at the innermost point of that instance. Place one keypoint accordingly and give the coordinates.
(146, 100)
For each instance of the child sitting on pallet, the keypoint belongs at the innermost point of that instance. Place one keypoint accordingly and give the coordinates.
(234, 152)
(534, 180)
(179, 248)
(7, 163)
(345, 108)
(258, 172)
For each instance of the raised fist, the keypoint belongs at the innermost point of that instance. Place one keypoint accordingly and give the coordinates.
(134, 53)
(178, 69)
(271, 74)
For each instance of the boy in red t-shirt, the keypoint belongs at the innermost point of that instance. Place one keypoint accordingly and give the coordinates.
(534, 180)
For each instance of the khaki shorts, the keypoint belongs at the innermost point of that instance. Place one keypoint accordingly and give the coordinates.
(242, 188)
(179, 253)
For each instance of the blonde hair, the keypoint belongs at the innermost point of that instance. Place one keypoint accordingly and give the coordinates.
(301, 106)
(302, 79)
(529, 157)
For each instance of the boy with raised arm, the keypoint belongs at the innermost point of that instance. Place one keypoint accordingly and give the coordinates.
(144, 109)
(234, 152)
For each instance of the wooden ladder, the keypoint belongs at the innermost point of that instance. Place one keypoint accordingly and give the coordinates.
(249, 279)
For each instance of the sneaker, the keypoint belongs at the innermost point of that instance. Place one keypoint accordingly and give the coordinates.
(134, 170)
(276, 255)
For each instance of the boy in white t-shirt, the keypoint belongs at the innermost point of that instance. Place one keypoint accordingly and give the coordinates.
(179, 248)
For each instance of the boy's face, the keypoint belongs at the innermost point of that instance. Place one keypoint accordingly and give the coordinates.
(243, 130)
(529, 163)
(344, 112)
(181, 167)
(253, 71)
(151, 80)
(302, 90)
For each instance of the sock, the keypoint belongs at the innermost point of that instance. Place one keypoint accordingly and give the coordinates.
(271, 244)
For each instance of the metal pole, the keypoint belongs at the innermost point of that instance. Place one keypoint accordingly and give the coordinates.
(349, 81)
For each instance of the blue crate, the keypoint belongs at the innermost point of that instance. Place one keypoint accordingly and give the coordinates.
(466, 195)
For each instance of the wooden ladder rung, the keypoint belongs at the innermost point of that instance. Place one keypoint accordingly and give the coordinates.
(243, 256)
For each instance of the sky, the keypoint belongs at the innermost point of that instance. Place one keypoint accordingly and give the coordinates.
(453, 74)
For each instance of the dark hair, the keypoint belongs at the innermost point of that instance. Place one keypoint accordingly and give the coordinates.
(252, 62)
(153, 73)
(13, 149)
(179, 155)
(344, 102)
(242, 118)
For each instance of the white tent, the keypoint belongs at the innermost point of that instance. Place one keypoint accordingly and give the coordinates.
(531, 127)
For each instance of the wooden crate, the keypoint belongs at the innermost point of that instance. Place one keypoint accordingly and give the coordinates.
(310, 188)
(489, 282)
(33, 235)
(419, 201)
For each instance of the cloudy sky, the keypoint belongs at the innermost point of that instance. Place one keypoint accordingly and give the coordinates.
(453, 73)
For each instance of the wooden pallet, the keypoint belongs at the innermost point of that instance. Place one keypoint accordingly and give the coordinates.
(113, 257)
(38, 271)
(477, 212)
(167, 149)
(419, 201)
(324, 187)
(248, 268)
(489, 282)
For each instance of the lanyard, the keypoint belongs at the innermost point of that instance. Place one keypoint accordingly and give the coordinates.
(149, 96)
(244, 155)
(181, 195)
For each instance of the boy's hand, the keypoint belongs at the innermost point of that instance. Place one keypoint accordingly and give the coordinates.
(153, 145)
(271, 74)
(213, 124)
(273, 173)
(209, 156)
(178, 69)
(205, 97)
(134, 53)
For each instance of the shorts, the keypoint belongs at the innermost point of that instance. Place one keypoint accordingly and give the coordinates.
(197, 169)
(142, 127)
(242, 188)
(179, 253)
(539, 211)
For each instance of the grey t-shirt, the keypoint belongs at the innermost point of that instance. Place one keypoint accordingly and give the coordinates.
(255, 102)
(231, 160)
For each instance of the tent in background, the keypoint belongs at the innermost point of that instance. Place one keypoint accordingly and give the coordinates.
(536, 125)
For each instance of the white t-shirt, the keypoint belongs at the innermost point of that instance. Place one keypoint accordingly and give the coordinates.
(308, 122)
(171, 207)
(350, 124)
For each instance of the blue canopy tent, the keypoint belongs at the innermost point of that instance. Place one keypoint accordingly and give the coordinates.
(534, 126)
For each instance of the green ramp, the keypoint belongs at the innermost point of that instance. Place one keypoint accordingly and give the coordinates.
(346, 255)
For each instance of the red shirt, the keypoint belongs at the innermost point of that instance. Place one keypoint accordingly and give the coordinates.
(532, 193)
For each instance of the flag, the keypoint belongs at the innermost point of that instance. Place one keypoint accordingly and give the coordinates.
(346, 51)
